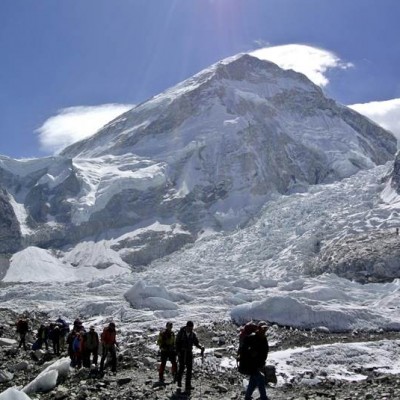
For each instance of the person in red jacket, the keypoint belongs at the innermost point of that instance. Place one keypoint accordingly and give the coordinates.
(109, 345)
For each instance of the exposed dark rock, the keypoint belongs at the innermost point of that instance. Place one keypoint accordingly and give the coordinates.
(367, 257)
(10, 234)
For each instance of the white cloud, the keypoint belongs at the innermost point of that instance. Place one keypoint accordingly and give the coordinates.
(310, 61)
(384, 113)
(314, 63)
(75, 123)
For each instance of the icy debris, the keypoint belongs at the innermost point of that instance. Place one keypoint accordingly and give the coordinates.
(5, 376)
(153, 297)
(13, 394)
(47, 379)
(7, 342)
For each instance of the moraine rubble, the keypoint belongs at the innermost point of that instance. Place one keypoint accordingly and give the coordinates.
(138, 360)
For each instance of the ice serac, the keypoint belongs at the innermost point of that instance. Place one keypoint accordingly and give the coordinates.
(204, 155)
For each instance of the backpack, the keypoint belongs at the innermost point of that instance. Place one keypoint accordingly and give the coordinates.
(22, 326)
(63, 325)
(108, 336)
(37, 345)
(166, 340)
(92, 340)
(76, 344)
(270, 374)
(245, 362)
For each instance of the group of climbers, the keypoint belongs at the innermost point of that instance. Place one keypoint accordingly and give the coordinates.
(55, 332)
(252, 355)
(82, 346)
(180, 346)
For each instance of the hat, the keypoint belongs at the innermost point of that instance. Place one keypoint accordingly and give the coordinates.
(112, 325)
(263, 324)
(91, 327)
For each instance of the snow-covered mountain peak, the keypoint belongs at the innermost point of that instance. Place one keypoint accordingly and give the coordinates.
(205, 155)
(227, 85)
(238, 131)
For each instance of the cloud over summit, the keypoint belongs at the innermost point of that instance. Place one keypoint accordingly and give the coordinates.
(310, 61)
(72, 124)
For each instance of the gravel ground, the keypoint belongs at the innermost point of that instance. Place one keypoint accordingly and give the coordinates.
(137, 369)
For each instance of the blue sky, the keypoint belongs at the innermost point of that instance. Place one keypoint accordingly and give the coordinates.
(69, 66)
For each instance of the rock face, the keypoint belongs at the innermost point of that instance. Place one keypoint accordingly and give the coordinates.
(151, 245)
(205, 154)
(10, 235)
(372, 257)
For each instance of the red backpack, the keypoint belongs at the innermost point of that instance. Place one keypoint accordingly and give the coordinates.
(244, 361)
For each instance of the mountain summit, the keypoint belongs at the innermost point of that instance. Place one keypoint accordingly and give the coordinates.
(204, 155)
(240, 130)
(255, 107)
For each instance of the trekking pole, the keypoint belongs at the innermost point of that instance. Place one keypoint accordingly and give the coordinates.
(201, 372)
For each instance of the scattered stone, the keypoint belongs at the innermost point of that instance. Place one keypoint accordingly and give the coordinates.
(7, 342)
(123, 381)
(23, 365)
(221, 388)
(5, 376)
(137, 375)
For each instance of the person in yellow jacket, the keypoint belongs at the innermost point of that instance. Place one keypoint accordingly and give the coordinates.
(166, 343)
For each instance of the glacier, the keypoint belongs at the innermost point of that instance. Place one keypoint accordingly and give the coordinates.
(239, 193)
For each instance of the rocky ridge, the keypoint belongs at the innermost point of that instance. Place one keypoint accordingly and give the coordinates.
(137, 368)
(363, 257)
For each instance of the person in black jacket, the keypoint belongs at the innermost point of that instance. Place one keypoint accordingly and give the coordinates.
(54, 335)
(185, 340)
(91, 343)
(257, 347)
(22, 330)
(43, 336)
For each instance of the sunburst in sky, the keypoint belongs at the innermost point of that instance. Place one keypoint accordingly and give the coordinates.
(61, 57)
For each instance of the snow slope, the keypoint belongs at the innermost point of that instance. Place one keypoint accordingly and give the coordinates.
(257, 272)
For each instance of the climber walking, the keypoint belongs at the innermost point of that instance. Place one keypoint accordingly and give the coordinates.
(109, 346)
(166, 343)
(185, 340)
(22, 329)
